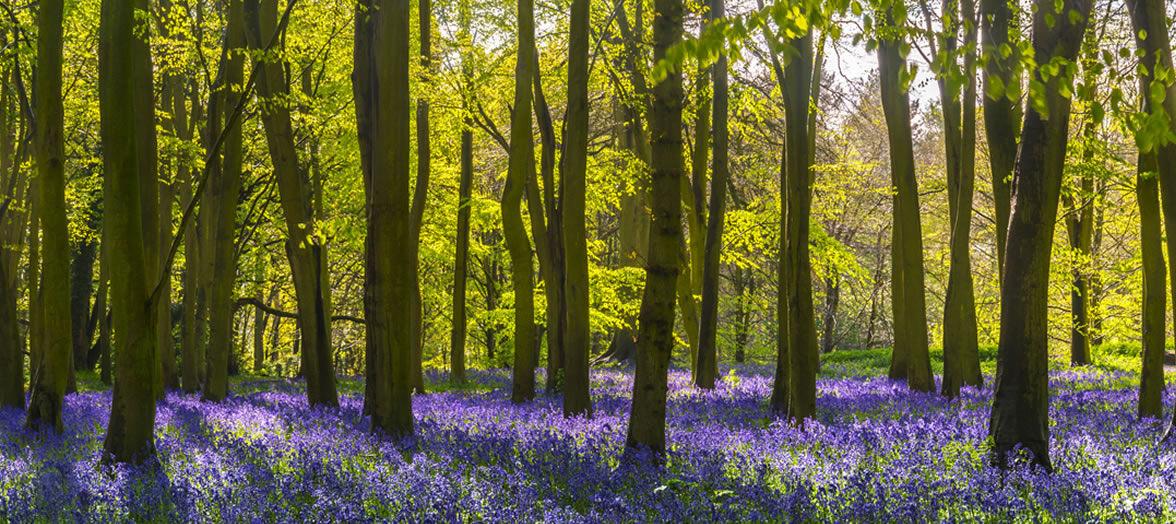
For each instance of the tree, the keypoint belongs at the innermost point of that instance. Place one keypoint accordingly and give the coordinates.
(655, 338)
(1149, 20)
(457, 344)
(576, 400)
(130, 434)
(12, 361)
(50, 377)
(1020, 407)
(226, 187)
(707, 363)
(306, 253)
(961, 352)
(908, 296)
(1151, 377)
(1002, 114)
(381, 59)
(420, 195)
(522, 165)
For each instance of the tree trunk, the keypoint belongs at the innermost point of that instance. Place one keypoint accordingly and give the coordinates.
(550, 246)
(1020, 407)
(1151, 379)
(308, 258)
(647, 418)
(81, 286)
(381, 59)
(707, 363)
(420, 196)
(100, 305)
(1002, 112)
(961, 350)
(1150, 18)
(522, 165)
(457, 338)
(832, 300)
(225, 188)
(131, 431)
(12, 361)
(909, 300)
(50, 377)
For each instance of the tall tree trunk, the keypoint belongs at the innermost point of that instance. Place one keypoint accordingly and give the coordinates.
(909, 301)
(130, 433)
(81, 286)
(308, 258)
(744, 285)
(655, 343)
(707, 363)
(420, 196)
(961, 350)
(1080, 223)
(49, 382)
(1002, 111)
(549, 239)
(522, 165)
(694, 202)
(1020, 407)
(457, 338)
(829, 323)
(11, 355)
(100, 305)
(576, 400)
(381, 59)
(1151, 379)
(1149, 19)
(225, 188)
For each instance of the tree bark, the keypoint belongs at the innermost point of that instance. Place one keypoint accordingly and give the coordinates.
(707, 364)
(131, 430)
(577, 400)
(420, 196)
(908, 300)
(1020, 407)
(308, 258)
(457, 338)
(50, 377)
(1002, 112)
(647, 417)
(1151, 379)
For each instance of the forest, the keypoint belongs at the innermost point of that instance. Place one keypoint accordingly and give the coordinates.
(587, 261)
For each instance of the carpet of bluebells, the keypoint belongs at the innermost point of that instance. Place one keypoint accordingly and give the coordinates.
(877, 453)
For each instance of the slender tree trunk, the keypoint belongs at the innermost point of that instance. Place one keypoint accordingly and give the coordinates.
(100, 303)
(36, 342)
(910, 303)
(49, 382)
(12, 361)
(1151, 380)
(1149, 19)
(308, 258)
(743, 287)
(694, 202)
(226, 186)
(457, 338)
(1020, 407)
(647, 418)
(707, 363)
(130, 433)
(81, 286)
(577, 400)
(1080, 223)
(961, 350)
(420, 196)
(549, 239)
(829, 324)
(381, 59)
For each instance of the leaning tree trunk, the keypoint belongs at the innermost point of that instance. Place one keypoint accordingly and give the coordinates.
(655, 342)
(706, 367)
(381, 59)
(576, 400)
(522, 164)
(1149, 20)
(50, 377)
(226, 186)
(1151, 377)
(307, 256)
(419, 197)
(910, 303)
(130, 434)
(1020, 407)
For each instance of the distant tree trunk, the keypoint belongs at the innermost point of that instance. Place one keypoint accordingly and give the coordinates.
(647, 418)
(81, 286)
(50, 377)
(226, 186)
(457, 339)
(829, 324)
(961, 350)
(694, 202)
(573, 194)
(12, 361)
(131, 431)
(1002, 114)
(1151, 379)
(744, 285)
(707, 364)
(554, 274)
(36, 341)
(100, 303)
(1020, 407)
(1080, 224)
(192, 323)
(1149, 19)
(522, 164)
(909, 300)
(308, 258)
(420, 196)
(381, 59)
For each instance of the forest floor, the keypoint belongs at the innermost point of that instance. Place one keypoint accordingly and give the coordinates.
(875, 453)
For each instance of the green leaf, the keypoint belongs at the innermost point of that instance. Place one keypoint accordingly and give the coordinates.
(995, 87)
